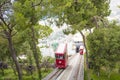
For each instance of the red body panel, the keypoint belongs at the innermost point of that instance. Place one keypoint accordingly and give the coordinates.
(61, 63)
(81, 51)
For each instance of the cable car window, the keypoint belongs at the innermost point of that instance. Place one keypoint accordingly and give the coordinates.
(59, 57)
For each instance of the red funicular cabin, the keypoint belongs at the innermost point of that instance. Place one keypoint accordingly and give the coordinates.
(61, 56)
(81, 50)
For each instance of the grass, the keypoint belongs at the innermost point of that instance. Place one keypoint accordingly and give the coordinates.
(103, 76)
(9, 75)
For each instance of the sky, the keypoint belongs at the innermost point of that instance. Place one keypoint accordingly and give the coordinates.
(115, 11)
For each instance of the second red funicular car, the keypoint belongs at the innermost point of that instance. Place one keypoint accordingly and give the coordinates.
(61, 56)
(81, 50)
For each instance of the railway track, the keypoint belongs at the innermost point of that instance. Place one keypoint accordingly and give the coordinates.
(65, 75)
(62, 74)
(53, 74)
(75, 73)
(81, 70)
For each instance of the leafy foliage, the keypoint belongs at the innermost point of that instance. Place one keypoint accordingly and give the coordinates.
(104, 47)
(102, 7)
(16, 20)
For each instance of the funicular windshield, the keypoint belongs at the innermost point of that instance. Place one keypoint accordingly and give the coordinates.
(59, 56)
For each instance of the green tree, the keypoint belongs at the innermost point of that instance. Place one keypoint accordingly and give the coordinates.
(104, 47)
(7, 26)
(31, 12)
(19, 22)
(102, 7)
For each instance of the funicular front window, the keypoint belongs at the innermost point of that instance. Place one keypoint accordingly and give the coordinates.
(59, 56)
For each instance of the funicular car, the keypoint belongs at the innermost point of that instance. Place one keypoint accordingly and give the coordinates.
(81, 50)
(61, 56)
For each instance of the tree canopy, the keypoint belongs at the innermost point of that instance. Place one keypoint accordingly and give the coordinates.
(103, 45)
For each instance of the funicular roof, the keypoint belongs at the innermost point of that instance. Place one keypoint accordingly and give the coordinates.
(81, 47)
(61, 48)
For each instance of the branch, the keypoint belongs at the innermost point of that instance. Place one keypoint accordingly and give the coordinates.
(3, 21)
(5, 35)
(95, 19)
(37, 4)
(5, 2)
(10, 26)
(14, 34)
(104, 22)
(75, 1)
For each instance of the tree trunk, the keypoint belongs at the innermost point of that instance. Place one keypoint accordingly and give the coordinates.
(87, 63)
(14, 57)
(84, 41)
(12, 66)
(96, 22)
(90, 31)
(36, 57)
